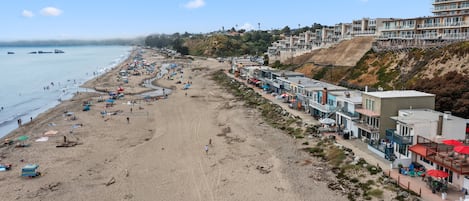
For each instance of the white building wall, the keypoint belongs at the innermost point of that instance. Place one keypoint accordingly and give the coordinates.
(454, 128)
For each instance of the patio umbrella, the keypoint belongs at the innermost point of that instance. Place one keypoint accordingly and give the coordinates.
(462, 149)
(327, 121)
(452, 142)
(437, 173)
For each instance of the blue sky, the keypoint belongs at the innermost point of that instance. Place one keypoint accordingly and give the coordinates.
(100, 19)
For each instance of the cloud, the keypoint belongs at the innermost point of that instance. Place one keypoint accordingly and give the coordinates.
(193, 4)
(51, 11)
(247, 26)
(27, 13)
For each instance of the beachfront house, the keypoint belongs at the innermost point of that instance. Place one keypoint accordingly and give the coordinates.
(278, 81)
(347, 114)
(378, 108)
(323, 103)
(418, 137)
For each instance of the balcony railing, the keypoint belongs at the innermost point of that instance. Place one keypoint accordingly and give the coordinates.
(349, 114)
(428, 36)
(437, 25)
(323, 108)
(442, 155)
(393, 136)
(363, 125)
(446, 1)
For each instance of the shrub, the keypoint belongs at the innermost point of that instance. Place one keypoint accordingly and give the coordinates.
(377, 193)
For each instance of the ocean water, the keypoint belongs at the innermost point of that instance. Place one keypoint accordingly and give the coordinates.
(33, 83)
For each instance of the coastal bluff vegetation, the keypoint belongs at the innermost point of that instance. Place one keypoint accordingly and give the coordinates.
(443, 71)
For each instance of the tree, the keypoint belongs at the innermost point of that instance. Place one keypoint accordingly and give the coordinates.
(286, 30)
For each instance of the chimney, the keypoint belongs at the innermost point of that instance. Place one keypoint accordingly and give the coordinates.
(439, 128)
(366, 88)
(347, 94)
(324, 96)
(446, 114)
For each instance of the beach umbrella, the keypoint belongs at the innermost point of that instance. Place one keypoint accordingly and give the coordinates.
(22, 138)
(452, 142)
(437, 173)
(110, 100)
(462, 149)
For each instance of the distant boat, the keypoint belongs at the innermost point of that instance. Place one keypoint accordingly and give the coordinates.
(10, 52)
(34, 52)
(57, 51)
(43, 52)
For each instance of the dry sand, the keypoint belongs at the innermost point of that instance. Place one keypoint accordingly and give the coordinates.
(159, 154)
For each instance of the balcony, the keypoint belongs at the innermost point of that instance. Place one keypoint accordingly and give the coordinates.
(436, 2)
(442, 25)
(348, 114)
(393, 136)
(323, 108)
(441, 154)
(366, 127)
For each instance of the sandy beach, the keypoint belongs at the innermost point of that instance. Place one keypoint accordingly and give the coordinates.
(156, 150)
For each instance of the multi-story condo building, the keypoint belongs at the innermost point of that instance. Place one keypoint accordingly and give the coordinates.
(449, 23)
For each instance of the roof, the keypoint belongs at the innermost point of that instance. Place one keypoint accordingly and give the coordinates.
(367, 112)
(413, 116)
(312, 84)
(419, 149)
(399, 94)
(354, 96)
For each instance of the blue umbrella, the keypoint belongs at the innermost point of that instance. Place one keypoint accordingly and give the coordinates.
(110, 100)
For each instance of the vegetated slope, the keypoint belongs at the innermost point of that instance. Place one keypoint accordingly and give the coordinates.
(442, 71)
(346, 53)
(402, 69)
(332, 63)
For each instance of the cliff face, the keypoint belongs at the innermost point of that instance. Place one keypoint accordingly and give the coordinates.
(443, 71)
(340, 58)
(399, 69)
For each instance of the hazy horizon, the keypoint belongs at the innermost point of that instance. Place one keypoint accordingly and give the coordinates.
(98, 20)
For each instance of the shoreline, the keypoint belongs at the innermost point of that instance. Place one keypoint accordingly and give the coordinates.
(10, 125)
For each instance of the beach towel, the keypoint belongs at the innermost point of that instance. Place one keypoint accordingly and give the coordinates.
(42, 139)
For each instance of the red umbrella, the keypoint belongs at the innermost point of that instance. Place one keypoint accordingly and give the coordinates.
(437, 173)
(462, 149)
(452, 142)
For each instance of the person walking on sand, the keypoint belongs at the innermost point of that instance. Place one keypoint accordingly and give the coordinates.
(206, 149)
(128, 120)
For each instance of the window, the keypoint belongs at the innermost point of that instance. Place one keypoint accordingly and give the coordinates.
(404, 130)
(369, 104)
(426, 160)
(402, 149)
